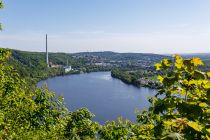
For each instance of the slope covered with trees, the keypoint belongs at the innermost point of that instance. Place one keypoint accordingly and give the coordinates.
(139, 78)
(32, 113)
(33, 64)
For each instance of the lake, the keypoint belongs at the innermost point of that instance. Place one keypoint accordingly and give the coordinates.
(106, 97)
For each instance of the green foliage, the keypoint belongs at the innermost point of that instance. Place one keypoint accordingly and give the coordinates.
(115, 130)
(140, 78)
(1, 7)
(123, 75)
(32, 65)
(184, 108)
(1, 4)
(79, 125)
(33, 113)
(180, 110)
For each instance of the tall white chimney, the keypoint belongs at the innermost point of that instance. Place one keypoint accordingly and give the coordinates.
(47, 61)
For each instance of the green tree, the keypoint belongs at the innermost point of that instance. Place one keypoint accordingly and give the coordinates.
(34, 113)
(1, 7)
(181, 108)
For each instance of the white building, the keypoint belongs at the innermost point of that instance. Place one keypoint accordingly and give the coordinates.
(67, 69)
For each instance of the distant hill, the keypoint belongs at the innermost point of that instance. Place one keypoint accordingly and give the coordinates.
(33, 64)
(123, 56)
(203, 56)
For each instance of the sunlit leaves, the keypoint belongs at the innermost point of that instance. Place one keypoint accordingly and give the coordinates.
(195, 126)
(116, 130)
(4, 54)
(196, 61)
(60, 100)
(165, 64)
(158, 66)
(160, 78)
(179, 62)
(187, 95)
(208, 74)
(202, 104)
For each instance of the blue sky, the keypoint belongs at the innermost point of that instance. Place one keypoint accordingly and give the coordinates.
(148, 26)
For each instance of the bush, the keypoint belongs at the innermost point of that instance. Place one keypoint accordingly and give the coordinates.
(33, 113)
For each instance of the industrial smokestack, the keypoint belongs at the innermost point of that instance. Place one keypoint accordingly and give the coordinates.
(47, 53)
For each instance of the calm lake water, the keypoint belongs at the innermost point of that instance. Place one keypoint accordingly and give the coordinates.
(106, 97)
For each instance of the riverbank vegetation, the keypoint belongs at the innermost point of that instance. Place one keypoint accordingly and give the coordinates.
(32, 65)
(182, 112)
(140, 78)
(145, 78)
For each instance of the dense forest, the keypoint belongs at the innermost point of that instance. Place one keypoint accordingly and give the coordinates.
(33, 64)
(139, 78)
(144, 77)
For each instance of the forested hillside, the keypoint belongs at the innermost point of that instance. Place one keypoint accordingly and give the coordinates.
(139, 78)
(33, 64)
(113, 56)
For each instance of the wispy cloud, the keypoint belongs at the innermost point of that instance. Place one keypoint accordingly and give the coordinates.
(75, 41)
(179, 25)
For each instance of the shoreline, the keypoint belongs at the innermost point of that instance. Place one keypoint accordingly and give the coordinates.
(140, 82)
